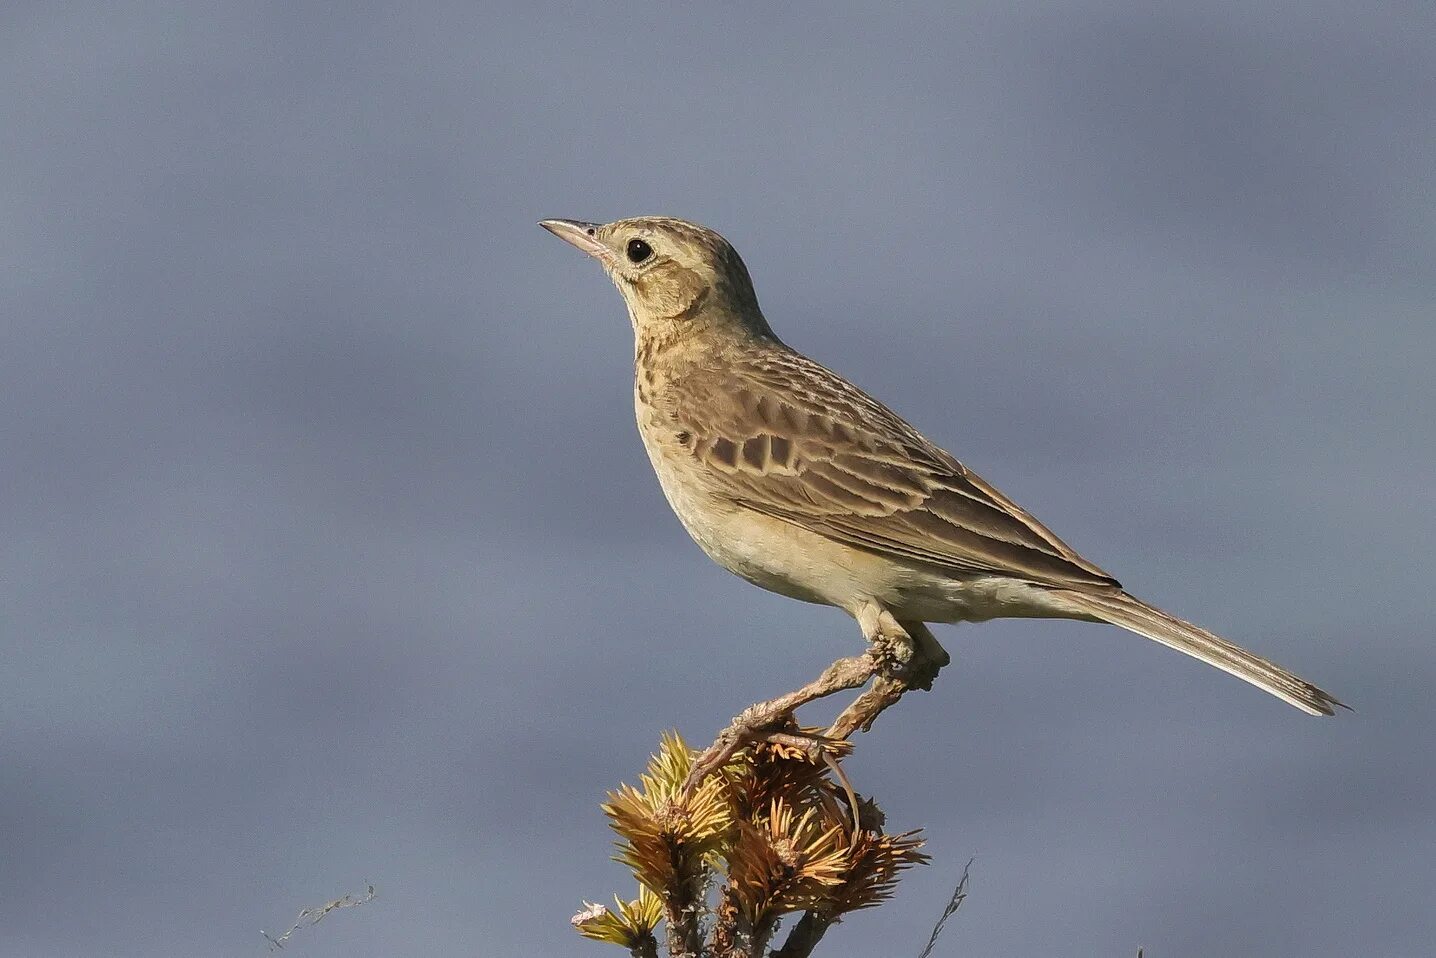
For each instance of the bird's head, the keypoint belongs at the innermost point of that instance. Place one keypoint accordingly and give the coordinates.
(670, 272)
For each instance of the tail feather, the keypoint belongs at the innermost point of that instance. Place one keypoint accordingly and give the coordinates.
(1121, 609)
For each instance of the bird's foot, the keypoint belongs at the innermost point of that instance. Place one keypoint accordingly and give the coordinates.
(905, 651)
(892, 652)
(906, 655)
(921, 673)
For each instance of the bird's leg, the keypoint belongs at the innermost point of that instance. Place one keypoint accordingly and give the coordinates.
(911, 658)
(767, 718)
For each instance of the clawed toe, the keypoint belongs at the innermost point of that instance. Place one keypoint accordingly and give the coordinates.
(915, 666)
(921, 675)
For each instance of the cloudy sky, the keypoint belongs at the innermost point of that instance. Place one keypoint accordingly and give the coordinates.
(330, 553)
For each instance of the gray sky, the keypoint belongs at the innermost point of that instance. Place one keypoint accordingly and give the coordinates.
(330, 553)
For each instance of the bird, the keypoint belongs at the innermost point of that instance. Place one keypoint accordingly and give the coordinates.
(796, 480)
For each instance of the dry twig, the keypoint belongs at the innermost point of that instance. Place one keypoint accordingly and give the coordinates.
(313, 916)
(959, 894)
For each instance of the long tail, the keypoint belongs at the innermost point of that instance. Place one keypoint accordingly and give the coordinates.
(1133, 614)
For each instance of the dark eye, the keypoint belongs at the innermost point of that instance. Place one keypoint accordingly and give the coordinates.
(638, 251)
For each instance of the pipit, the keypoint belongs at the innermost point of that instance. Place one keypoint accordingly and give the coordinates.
(796, 480)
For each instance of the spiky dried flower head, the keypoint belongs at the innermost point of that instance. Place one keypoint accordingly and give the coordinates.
(630, 926)
(786, 861)
(668, 841)
(776, 769)
(806, 852)
(785, 835)
(874, 861)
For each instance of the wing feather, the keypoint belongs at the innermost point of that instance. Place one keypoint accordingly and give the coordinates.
(786, 437)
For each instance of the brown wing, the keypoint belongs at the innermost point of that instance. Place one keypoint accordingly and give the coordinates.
(786, 437)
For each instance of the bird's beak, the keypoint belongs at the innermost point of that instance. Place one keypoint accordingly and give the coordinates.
(580, 234)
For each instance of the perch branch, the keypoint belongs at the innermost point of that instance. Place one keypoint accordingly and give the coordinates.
(805, 936)
(756, 720)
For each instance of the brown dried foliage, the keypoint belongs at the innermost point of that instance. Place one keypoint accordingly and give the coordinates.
(771, 834)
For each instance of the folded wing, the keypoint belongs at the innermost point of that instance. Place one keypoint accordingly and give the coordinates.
(786, 437)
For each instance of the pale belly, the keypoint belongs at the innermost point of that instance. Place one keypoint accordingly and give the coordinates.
(792, 561)
(778, 556)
